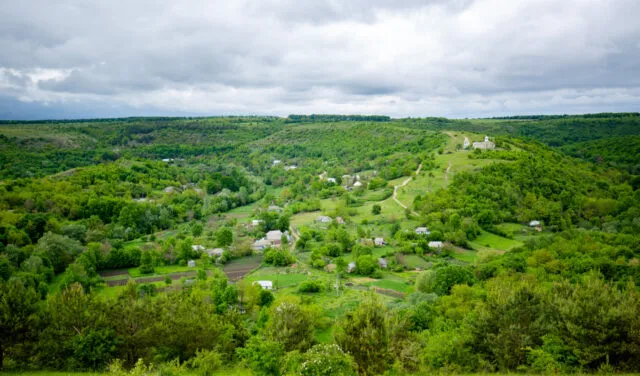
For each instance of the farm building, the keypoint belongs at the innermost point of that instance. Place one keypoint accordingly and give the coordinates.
(261, 244)
(266, 285)
(436, 244)
(274, 208)
(379, 242)
(534, 223)
(357, 184)
(422, 231)
(191, 263)
(466, 143)
(275, 237)
(340, 220)
(382, 262)
(324, 219)
(292, 167)
(216, 252)
(332, 180)
(256, 222)
(197, 248)
(485, 145)
(351, 267)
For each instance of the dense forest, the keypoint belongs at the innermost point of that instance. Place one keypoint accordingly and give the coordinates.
(321, 245)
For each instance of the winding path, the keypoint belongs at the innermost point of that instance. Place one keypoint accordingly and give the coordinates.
(404, 183)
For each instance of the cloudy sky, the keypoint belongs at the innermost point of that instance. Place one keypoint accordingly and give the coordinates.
(455, 58)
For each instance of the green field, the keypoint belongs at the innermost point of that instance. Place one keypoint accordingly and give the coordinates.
(489, 241)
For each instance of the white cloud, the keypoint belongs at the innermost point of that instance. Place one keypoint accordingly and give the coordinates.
(406, 58)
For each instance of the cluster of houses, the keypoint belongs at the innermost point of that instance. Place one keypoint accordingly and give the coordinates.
(277, 162)
(484, 145)
(273, 239)
(349, 182)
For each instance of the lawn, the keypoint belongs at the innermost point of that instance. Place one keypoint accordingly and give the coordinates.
(490, 241)
(162, 270)
(413, 261)
(391, 285)
(465, 255)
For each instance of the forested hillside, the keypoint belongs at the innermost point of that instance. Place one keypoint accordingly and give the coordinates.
(321, 244)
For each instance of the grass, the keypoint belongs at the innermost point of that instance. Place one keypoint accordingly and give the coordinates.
(489, 241)
(162, 270)
(413, 261)
(391, 285)
(466, 256)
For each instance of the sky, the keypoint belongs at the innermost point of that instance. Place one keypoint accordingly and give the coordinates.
(402, 58)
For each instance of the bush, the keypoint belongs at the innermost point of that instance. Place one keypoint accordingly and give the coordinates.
(146, 269)
(310, 286)
(278, 257)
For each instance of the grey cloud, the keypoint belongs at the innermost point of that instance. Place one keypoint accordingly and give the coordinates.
(458, 57)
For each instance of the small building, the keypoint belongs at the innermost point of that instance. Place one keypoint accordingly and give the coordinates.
(191, 263)
(436, 244)
(256, 222)
(485, 145)
(379, 242)
(332, 180)
(357, 185)
(274, 208)
(382, 262)
(534, 224)
(422, 231)
(276, 162)
(466, 143)
(214, 253)
(351, 267)
(261, 244)
(197, 248)
(340, 220)
(274, 237)
(169, 189)
(324, 219)
(266, 285)
(292, 167)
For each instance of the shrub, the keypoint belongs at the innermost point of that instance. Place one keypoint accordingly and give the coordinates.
(310, 286)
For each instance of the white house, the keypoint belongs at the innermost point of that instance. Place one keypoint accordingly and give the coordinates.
(382, 262)
(357, 184)
(197, 248)
(324, 219)
(191, 263)
(379, 242)
(261, 244)
(332, 180)
(274, 208)
(486, 144)
(422, 231)
(436, 244)
(256, 222)
(292, 167)
(216, 252)
(276, 162)
(274, 237)
(351, 267)
(266, 285)
(466, 143)
(534, 223)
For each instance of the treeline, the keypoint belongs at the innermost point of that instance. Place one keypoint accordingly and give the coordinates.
(333, 118)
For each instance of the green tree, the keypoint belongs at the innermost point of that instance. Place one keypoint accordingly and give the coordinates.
(327, 360)
(18, 314)
(59, 249)
(224, 237)
(363, 333)
(291, 324)
(376, 209)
